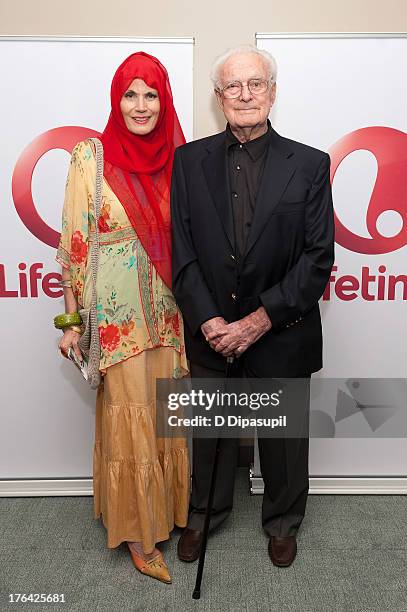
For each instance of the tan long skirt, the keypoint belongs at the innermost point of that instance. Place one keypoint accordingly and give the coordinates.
(140, 482)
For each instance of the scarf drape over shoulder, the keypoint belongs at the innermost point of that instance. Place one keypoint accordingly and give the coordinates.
(138, 168)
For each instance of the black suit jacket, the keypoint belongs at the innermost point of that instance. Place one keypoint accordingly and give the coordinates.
(288, 259)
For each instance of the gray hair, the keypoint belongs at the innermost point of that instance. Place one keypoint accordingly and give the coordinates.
(269, 60)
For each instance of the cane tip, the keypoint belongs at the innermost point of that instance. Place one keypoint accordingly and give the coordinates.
(196, 594)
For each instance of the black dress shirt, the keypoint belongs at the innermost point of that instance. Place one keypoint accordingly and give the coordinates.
(245, 163)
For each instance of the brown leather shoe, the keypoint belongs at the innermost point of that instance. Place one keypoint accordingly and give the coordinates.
(282, 550)
(189, 545)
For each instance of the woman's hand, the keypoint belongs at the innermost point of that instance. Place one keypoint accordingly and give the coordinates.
(70, 340)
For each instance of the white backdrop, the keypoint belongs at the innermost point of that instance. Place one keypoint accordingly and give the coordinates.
(47, 410)
(327, 88)
(352, 87)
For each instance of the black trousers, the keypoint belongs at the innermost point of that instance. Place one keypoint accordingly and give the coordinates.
(284, 467)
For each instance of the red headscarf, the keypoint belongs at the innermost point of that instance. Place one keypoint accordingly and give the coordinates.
(138, 168)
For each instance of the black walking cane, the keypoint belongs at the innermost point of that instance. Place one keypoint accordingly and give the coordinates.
(197, 590)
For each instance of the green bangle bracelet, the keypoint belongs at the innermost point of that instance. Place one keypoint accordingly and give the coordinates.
(65, 320)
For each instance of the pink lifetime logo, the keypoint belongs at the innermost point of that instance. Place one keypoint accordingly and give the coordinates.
(389, 146)
(58, 138)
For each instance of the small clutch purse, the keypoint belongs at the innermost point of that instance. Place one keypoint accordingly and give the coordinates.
(89, 342)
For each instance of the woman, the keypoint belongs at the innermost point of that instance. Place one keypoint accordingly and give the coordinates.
(141, 482)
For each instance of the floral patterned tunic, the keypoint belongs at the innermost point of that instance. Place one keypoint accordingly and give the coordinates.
(136, 310)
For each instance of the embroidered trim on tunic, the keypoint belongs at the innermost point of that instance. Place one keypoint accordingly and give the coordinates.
(126, 233)
(145, 292)
(62, 257)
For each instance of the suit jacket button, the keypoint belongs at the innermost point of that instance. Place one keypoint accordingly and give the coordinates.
(234, 296)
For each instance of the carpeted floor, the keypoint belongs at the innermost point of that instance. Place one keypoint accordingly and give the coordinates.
(352, 556)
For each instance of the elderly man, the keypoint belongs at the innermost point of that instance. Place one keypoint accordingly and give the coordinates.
(253, 247)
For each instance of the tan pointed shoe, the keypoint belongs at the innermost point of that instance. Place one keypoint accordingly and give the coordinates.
(156, 567)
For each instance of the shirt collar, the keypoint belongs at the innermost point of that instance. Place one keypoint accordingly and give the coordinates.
(255, 148)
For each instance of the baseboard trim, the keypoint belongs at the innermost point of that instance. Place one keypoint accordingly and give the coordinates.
(46, 487)
(365, 485)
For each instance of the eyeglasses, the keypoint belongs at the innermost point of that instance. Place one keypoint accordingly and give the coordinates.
(255, 86)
